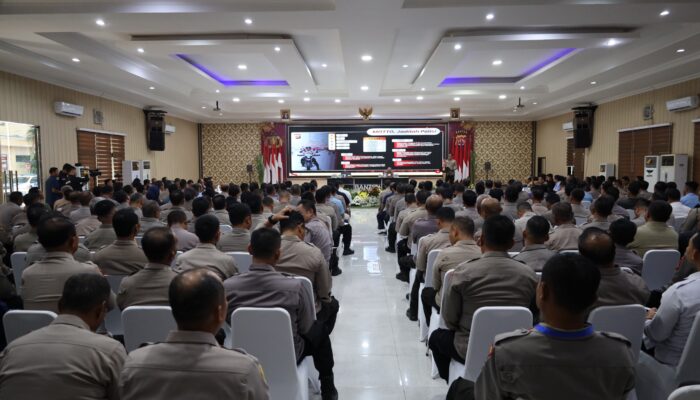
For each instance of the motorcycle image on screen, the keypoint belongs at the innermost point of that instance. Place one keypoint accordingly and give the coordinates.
(308, 159)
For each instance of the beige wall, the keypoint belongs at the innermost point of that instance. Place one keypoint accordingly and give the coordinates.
(30, 101)
(615, 115)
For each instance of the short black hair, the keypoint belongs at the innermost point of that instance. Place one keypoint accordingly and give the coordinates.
(238, 212)
(83, 292)
(596, 245)
(253, 200)
(537, 227)
(268, 201)
(673, 194)
(613, 192)
(104, 207)
(422, 196)
(264, 242)
(498, 232)
(205, 227)
(464, 225)
(308, 205)
(34, 214)
(634, 187)
(124, 222)
(538, 194)
(295, 219)
(660, 211)
(219, 202)
(446, 214)
(692, 185)
(120, 196)
(177, 197)
(200, 206)
(193, 296)
(577, 194)
(54, 230)
(150, 209)
(157, 243)
(552, 198)
(469, 198)
(410, 198)
(176, 217)
(603, 206)
(563, 212)
(573, 280)
(622, 231)
(322, 194)
(512, 193)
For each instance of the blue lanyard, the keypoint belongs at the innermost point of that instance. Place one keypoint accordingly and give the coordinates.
(580, 334)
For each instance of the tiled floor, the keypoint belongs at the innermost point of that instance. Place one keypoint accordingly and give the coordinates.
(377, 352)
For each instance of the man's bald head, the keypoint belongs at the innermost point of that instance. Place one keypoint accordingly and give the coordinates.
(490, 207)
(197, 300)
(433, 204)
(597, 245)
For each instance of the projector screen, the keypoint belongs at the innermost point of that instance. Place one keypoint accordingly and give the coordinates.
(366, 148)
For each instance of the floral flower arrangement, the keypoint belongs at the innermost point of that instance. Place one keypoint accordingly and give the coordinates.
(365, 196)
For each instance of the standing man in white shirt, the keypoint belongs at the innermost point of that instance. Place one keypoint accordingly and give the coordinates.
(680, 210)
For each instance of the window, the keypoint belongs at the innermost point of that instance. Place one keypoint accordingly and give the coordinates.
(102, 151)
(634, 144)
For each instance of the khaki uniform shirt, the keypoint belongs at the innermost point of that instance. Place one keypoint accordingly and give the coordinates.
(236, 240)
(164, 213)
(580, 211)
(264, 287)
(410, 219)
(521, 223)
(80, 214)
(603, 224)
(495, 279)
(328, 210)
(148, 223)
(62, 361)
(391, 202)
(191, 365)
(60, 203)
(399, 206)
(618, 288)
(423, 227)
(123, 257)
(258, 221)
(205, 255)
(318, 234)
(42, 282)
(101, 237)
(223, 217)
(510, 210)
(625, 257)
(305, 259)
(535, 256)
(539, 208)
(87, 225)
(148, 287)
(185, 240)
(24, 241)
(449, 259)
(402, 215)
(518, 240)
(654, 236)
(434, 241)
(36, 252)
(528, 364)
(564, 237)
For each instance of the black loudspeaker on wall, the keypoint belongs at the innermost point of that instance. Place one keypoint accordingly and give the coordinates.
(155, 125)
(583, 126)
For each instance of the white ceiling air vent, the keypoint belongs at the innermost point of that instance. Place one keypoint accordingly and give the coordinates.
(682, 104)
(169, 129)
(568, 126)
(67, 109)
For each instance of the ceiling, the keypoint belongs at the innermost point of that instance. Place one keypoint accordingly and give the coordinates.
(427, 56)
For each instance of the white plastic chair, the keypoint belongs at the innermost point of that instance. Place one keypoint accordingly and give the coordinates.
(512, 254)
(274, 349)
(242, 260)
(311, 307)
(678, 224)
(658, 267)
(688, 370)
(138, 240)
(568, 252)
(686, 393)
(18, 261)
(627, 320)
(20, 322)
(580, 220)
(113, 320)
(144, 324)
(486, 324)
(423, 324)
(81, 239)
(225, 228)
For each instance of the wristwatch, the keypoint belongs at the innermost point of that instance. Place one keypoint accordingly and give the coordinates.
(270, 220)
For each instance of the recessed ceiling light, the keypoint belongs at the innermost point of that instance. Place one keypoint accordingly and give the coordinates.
(364, 88)
(242, 67)
(422, 89)
(404, 66)
(366, 58)
(278, 49)
(397, 100)
(306, 90)
(612, 42)
(218, 91)
(337, 100)
(534, 103)
(324, 65)
(522, 87)
(100, 22)
(221, 114)
(76, 59)
(307, 99)
(419, 98)
(140, 50)
(457, 99)
(497, 62)
(151, 88)
(204, 107)
(281, 101)
(680, 51)
(248, 21)
(490, 16)
(664, 13)
(458, 46)
(502, 96)
(594, 83)
(236, 99)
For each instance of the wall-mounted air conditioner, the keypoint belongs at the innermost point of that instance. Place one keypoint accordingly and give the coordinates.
(568, 126)
(67, 109)
(169, 129)
(683, 104)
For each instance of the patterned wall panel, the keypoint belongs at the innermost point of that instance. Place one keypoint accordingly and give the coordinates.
(228, 148)
(507, 145)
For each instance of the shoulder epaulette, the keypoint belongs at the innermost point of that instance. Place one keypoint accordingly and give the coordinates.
(617, 337)
(511, 335)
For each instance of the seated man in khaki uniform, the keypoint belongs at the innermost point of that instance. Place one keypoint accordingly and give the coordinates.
(200, 207)
(206, 255)
(562, 357)
(601, 210)
(177, 222)
(239, 237)
(565, 234)
(123, 257)
(190, 363)
(42, 282)
(151, 217)
(177, 202)
(25, 240)
(535, 253)
(66, 360)
(495, 279)
(463, 248)
(655, 234)
(219, 203)
(149, 286)
(104, 235)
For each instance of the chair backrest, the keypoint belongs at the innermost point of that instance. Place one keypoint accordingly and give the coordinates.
(432, 256)
(627, 320)
(225, 228)
(138, 240)
(18, 261)
(512, 254)
(586, 204)
(81, 239)
(658, 267)
(569, 251)
(486, 324)
(446, 281)
(308, 287)
(20, 322)
(274, 349)
(686, 393)
(144, 324)
(113, 320)
(242, 260)
(688, 369)
(678, 224)
(580, 220)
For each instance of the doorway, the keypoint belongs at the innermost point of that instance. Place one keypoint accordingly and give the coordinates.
(541, 165)
(20, 166)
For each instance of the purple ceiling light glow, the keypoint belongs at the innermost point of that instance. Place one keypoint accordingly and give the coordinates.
(231, 82)
(472, 80)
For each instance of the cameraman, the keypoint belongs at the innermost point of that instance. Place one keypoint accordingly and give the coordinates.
(76, 182)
